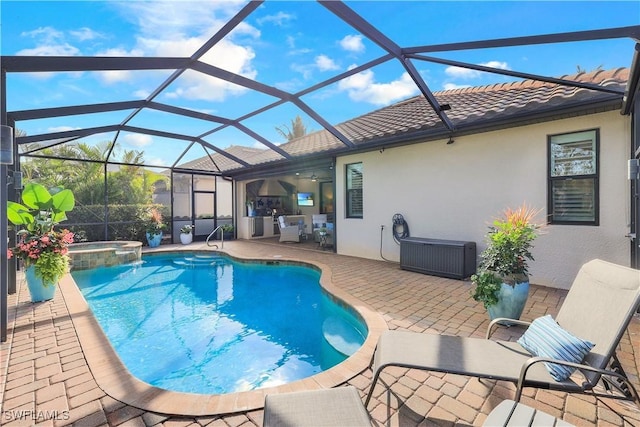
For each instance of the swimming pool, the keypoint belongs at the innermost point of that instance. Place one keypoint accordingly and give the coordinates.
(209, 324)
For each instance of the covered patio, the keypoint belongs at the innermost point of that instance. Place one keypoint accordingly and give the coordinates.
(44, 364)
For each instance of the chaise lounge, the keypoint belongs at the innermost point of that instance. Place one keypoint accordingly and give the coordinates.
(596, 312)
(342, 407)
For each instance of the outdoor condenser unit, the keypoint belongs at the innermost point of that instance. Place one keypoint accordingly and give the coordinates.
(445, 258)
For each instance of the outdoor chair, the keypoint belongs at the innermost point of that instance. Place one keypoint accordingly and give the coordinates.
(342, 407)
(318, 221)
(288, 232)
(596, 311)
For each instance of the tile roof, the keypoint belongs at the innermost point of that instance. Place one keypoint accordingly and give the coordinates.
(471, 107)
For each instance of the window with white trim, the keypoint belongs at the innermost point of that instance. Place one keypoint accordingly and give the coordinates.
(354, 203)
(573, 195)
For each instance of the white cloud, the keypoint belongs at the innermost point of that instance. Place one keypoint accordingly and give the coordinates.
(156, 161)
(51, 50)
(141, 93)
(362, 87)
(324, 63)
(44, 34)
(280, 19)
(352, 43)
(137, 139)
(465, 73)
(178, 29)
(61, 128)
(497, 64)
(85, 33)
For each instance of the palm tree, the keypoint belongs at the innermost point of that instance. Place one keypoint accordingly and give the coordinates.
(298, 129)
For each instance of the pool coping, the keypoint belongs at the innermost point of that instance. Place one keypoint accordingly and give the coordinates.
(115, 380)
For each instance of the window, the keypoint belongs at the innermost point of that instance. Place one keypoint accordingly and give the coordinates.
(573, 178)
(354, 190)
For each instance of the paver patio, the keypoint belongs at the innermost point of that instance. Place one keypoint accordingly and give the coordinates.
(46, 379)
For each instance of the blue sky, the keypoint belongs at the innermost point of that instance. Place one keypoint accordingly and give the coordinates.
(287, 44)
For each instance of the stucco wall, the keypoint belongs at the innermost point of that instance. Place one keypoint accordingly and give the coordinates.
(454, 191)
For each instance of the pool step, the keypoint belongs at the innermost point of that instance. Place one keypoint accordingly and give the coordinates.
(197, 260)
(342, 335)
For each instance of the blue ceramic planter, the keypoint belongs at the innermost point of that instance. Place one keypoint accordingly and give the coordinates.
(154, 239)
(38, 290)
(511, 301)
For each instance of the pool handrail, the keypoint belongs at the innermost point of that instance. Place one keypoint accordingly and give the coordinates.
(221, 238)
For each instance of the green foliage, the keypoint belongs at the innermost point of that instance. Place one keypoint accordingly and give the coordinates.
(39, 244)
(128, 184)
(126, 222)
(487, 286)
(50, 266)
(154, 224)
(41, 210)
(505, 260)
(186, 229)
(227, 228)
(510, 240)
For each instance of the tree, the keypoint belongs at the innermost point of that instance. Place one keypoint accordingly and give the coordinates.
(298, 129)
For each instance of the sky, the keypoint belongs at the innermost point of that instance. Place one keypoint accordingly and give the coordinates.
(290, 45)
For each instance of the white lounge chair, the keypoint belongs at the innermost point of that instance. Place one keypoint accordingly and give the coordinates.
(288, 232)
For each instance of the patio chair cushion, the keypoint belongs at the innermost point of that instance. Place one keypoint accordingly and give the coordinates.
(545, 338)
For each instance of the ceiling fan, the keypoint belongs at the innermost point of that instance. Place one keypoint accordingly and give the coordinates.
(314, 177)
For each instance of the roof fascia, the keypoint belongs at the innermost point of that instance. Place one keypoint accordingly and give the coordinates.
(607, 33)
(428, 135)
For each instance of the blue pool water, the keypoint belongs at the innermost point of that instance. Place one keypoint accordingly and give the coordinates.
(209, 324)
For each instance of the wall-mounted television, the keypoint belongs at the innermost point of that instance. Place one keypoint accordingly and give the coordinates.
(305, 199)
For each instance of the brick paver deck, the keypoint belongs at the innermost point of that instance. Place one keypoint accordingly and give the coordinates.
(46, 380)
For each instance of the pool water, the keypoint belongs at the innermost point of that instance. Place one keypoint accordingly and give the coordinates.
(212, 325)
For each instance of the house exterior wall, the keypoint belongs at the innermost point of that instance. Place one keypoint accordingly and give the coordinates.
(454, 191)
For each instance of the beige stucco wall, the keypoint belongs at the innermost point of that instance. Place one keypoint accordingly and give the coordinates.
(453, 192)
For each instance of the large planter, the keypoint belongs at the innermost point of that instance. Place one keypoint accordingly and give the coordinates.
(511, 301)
(186, 238)
(154, 239)
(39, 290)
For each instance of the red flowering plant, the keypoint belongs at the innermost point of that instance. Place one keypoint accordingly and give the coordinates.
(39, 243)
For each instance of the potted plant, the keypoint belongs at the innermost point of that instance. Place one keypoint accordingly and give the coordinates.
(186, 235)
(502, 281)
(227, 231)
(41, 247)
(154, 228)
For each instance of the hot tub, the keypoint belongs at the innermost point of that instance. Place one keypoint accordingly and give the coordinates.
(96, 254)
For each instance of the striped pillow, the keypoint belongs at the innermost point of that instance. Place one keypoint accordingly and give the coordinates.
(545, 338)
